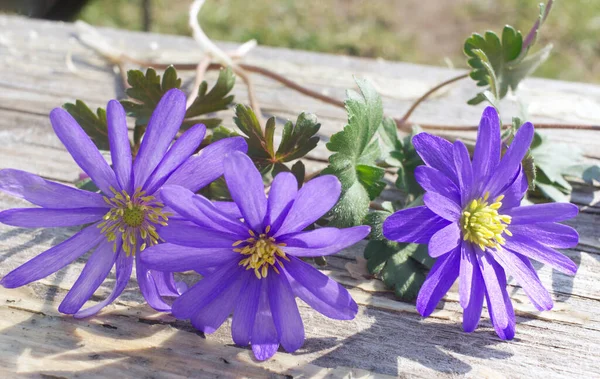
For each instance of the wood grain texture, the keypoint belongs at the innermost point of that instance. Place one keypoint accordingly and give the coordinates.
(387, 338)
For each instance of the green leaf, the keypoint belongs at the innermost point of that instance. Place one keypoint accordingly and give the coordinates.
(402, 154)
(501, 63)
(94, 124)
(297, 139)
(217, 99)
(299, 172)
(222, 132)
(552, 162)
(402, 267)
(87, 185)
(147, 89)
(355, 153)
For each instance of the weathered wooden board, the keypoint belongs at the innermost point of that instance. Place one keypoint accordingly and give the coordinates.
(387, 338)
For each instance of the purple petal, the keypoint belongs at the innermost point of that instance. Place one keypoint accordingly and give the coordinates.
(487, 148)
(494, 290)
(515, 193)
(214, 314)
(281, 196)
(465, 279)
(432, 180)
(46, 194)
(442, 206)
(286, 316)
(462, 163)
(526, 277)
(323, 294)
(436, 152)
(162, 128)
(323, 241)
(245, 310)
(148, 288)
(181, 150)
(200, 170)
(205, 291)
(200, 210)
(166, 284)
(265, 341)
(472, 313)
(533, 249)
(415, 225)
(247, 190)
(228, 208)
(83, 150)
(176, 258)
(548, 233)
(120, 147)
(228, 224)
(314, 199)
(511, 161)
(123, 267)
(444, 240)
(507, 332)
(187, 234)
(94, 273)
(54, 258)
(439, 280)
(537, 213)
(49, 218)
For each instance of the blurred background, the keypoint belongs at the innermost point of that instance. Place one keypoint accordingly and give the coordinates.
(420, 31)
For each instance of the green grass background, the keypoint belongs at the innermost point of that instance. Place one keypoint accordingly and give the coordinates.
(421, 31)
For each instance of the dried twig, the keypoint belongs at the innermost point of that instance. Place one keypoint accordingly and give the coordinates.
(200, 71)
(222, 57)
(96, 42)
(423, 97)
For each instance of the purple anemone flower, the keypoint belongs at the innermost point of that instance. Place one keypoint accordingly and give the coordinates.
(474, 225)
(251, 264)
(123, 220)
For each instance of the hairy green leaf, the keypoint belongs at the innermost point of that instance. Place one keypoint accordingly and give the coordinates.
(500, 63)
(355, 152)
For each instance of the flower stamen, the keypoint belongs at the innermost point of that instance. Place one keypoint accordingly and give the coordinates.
(482, 225)
(134, 218)
(262, 252)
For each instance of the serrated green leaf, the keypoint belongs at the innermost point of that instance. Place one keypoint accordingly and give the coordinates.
(94, 124)
(147, 89)
(355, 153)
(297, 139)
(395, 265)
(502, 63)
(217, 99)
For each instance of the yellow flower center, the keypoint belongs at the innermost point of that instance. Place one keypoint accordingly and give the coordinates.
(134, 218)
(262, 252)
(482, 224)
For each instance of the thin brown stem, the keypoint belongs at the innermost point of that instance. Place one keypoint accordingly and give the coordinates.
(123, 75)
(403, 125)
(200, 71)
(423, 97)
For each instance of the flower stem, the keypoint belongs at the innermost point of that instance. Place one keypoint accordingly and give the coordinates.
(408, 113)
